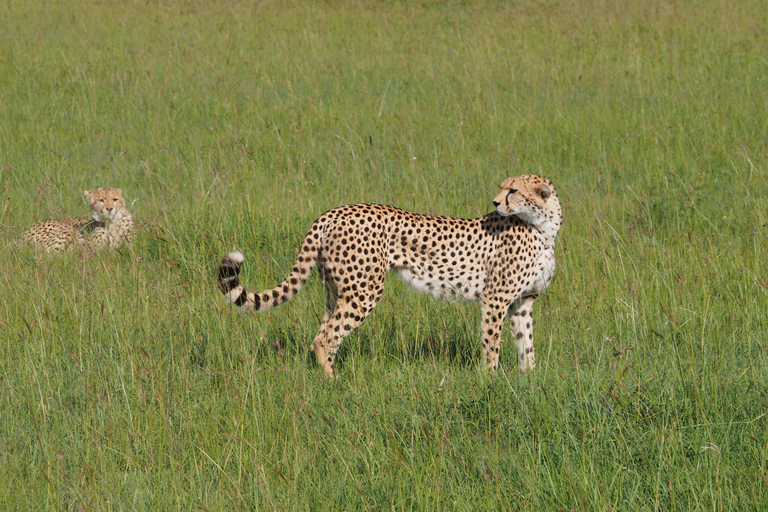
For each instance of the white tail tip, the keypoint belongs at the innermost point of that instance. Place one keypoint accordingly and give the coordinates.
(236, 256)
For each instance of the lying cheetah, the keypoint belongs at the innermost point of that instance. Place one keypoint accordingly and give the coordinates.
(504, 260)
(110, 225)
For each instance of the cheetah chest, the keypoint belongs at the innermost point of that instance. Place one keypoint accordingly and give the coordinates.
(545, 269)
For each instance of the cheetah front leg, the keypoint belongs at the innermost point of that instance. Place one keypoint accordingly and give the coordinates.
(521, 320)
(493, 311)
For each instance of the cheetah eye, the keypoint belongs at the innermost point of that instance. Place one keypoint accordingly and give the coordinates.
(116, 199)
(101, 200)
(512, 191)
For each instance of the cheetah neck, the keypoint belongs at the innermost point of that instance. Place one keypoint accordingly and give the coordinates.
(548, 230)
(545, 223)
(122, 219)
(119, 228)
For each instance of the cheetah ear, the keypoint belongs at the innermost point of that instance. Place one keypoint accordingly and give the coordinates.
(119, 191)
(544, 191)
(87, 194)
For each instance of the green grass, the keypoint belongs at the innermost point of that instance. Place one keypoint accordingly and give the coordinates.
(128, 383)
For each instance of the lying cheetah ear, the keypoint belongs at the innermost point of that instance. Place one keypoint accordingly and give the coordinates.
(544, 191)
(87, 194)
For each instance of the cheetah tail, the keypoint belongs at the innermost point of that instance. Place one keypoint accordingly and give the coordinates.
(229, 280)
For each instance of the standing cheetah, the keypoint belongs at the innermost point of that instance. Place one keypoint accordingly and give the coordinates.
(110, 225)
(504, 260)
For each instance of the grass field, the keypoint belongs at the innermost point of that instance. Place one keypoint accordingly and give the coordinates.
(128, 383)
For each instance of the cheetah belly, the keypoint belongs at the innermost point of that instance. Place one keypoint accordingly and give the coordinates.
(442, 286)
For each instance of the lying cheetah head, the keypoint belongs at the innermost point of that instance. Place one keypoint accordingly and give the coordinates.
(106, 204)
(531, 198)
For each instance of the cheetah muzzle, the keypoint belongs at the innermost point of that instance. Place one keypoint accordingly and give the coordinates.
(504, 260)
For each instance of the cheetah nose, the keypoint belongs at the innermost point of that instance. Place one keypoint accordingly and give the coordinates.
(109, 208)
(496, 204)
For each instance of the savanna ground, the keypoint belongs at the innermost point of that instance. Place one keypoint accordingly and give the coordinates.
(128, 383)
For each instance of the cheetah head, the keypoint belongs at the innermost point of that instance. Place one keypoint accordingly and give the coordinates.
(106, 204)
(531, 198)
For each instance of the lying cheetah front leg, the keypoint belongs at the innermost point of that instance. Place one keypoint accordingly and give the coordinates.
(521, 320)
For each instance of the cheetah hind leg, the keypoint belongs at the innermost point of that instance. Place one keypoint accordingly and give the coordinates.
(521, 320)
(348, 314)
(320, 343)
